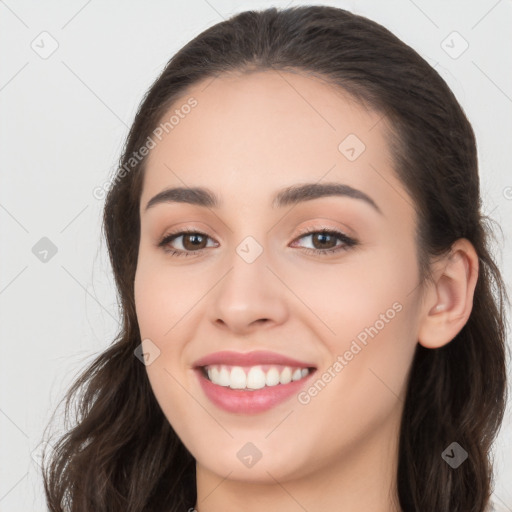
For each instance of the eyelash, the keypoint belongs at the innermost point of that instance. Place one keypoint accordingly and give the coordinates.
(347, 241)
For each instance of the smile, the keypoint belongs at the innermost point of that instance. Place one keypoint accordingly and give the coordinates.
(254, 377)
(253, 382)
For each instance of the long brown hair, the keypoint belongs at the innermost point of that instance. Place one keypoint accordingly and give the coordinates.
(121, 454)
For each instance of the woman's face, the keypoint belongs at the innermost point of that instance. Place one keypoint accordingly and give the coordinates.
(341, 322)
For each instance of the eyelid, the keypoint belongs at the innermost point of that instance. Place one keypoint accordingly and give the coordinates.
(184, 227)
(302, 231)
(348, 241)
(322, 227)
(172, 235)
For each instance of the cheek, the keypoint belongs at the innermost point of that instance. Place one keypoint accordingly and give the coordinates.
(363, 382)
(350, 298)
(162, 300)
(371, 316)
(166, 303)
(159, 309)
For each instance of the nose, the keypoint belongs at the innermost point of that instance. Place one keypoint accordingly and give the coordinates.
(249, 295)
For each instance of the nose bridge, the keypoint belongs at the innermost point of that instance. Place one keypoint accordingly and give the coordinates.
(249, 292)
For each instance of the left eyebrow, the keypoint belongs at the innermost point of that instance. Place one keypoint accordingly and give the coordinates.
(288, 196)
(308, 191)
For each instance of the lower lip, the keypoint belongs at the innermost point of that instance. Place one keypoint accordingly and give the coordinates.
(249, 402)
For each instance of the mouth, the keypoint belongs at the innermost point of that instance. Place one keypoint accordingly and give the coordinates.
(253, 377)
(248, 383)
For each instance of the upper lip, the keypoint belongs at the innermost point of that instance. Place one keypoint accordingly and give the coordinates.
(249, 359)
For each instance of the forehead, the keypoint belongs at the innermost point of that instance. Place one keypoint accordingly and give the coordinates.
(270, 128)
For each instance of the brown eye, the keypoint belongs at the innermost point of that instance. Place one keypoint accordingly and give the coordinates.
(184, 242)
(323, 240)
(194, 241)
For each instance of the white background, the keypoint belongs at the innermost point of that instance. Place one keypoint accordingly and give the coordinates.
(63, 122)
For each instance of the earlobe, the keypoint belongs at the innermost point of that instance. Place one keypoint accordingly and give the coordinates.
(450, 301)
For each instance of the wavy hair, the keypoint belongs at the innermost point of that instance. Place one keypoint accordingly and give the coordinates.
(121, 454)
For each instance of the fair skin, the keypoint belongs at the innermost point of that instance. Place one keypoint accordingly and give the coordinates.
(249, 136)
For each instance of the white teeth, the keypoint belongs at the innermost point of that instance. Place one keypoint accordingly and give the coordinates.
(272, 378)
(286, 376)
(238, 379)
(252, 378)
(297, 374)
(256, 378)
(224, 378)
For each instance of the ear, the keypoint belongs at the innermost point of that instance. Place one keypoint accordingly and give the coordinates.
(449, 301)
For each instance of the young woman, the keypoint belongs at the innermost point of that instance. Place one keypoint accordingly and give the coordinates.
(312, 319)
